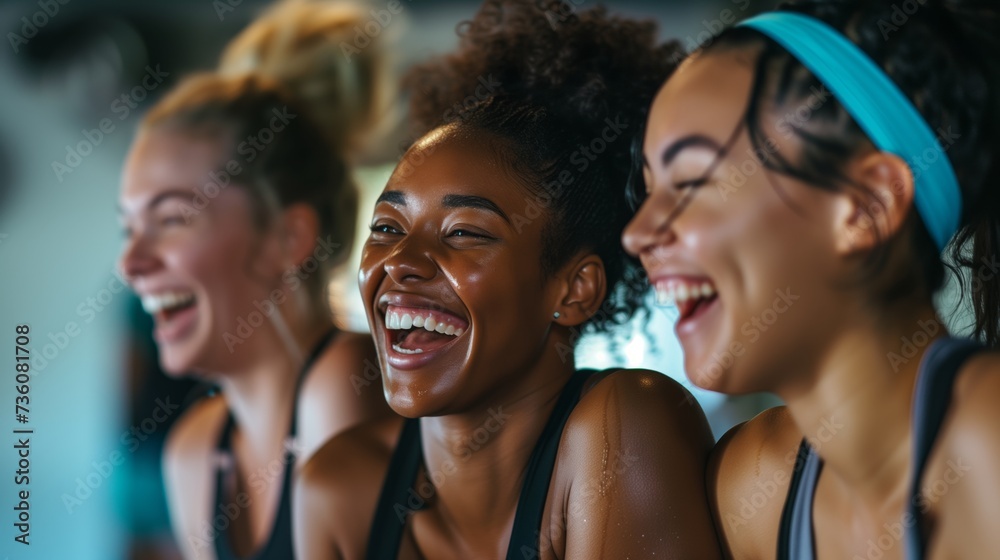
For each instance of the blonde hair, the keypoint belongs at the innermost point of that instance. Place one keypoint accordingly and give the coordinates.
(300, 43)
(289, 62)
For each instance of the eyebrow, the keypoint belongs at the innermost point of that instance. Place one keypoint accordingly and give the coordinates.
(693, 141)
(449, 201)
(471, 201)
(161, 197)
(392, 197)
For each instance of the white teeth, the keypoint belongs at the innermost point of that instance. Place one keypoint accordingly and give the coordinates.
(682, 293)
(155, 303)
(396, 321)
(707, 290)
(402, 350)
(673, 293)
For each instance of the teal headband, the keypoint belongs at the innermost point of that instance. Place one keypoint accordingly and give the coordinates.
(884, 112)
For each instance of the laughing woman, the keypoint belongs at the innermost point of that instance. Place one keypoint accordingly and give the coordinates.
(810, 167)
(493, 244)
(237, 202)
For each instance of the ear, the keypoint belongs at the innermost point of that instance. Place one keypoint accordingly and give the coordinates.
(877, 210)
(582, 290)
(299, 232)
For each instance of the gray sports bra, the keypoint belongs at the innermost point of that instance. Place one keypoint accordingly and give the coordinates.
(935, 380)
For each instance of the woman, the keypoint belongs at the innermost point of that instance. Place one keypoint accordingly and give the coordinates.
(804, 174)
(238, 203)
(494, 244)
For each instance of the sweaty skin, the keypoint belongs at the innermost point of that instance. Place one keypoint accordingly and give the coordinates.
(628, 480)
(219, 255)
(790, 318)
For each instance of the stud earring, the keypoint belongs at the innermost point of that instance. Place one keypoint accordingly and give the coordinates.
(555, 315)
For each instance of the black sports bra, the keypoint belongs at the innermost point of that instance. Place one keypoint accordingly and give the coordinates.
(390, 520)
(279, 543)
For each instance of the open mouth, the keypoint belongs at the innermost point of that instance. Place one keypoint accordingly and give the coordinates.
(173, 311)
(416, 330)
(692, 298)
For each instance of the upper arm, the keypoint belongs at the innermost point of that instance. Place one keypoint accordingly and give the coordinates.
(637, 446)
(187, 476)
(343, 389)
(964, 481)
(749, 473)
(314, 503)
(336, 492)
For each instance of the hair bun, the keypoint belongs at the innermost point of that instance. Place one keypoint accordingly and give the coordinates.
(300, 45)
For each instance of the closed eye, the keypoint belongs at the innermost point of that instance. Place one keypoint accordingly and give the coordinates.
(691, 184)
(468, 233)
(173, 221)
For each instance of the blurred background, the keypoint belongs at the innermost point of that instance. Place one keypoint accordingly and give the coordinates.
(100, 407)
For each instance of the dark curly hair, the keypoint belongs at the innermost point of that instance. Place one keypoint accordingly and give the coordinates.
(939, 53)
(565, 92)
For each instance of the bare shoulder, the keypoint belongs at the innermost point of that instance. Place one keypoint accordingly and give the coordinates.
(189, 437)
(633, 455)
(188, 471)
(637, 397)
(350, 362)
(748, 478)
(337, 489)
(960, 492)
(976, 392)
(342, 389)
(971, 429)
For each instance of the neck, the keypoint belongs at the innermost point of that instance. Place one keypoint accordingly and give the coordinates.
(856, 410)
(261, 393)
(478, 459)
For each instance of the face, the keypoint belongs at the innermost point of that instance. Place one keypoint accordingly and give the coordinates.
(744, 253)
(194, 259)
(452, 251)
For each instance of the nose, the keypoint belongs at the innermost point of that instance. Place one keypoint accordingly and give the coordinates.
(653, 224)
(137, 258)
(410, 262)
